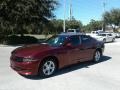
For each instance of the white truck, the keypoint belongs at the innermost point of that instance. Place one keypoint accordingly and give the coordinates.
(73, 31)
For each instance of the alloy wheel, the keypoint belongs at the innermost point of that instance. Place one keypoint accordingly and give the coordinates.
(48, 67)
(97, 56)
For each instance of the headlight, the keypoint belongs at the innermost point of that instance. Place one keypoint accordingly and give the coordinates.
(28, 59)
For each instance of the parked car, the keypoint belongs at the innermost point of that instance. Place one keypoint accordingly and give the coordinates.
(57, 52)
(97, 32)
(73, 31)
(117, 35)
(114, 34)
(105, 37)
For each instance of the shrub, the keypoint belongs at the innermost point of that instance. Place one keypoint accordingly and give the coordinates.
(2, 37)
(14, 40)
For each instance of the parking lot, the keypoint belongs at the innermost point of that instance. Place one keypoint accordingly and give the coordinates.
(104, 75)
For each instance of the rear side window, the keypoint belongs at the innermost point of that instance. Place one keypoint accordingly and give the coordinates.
(75, 40)
(77, 30)
(109, 34)
(85, 39)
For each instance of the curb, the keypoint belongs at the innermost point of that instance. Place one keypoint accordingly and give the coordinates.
(7, 46)
(3, 45)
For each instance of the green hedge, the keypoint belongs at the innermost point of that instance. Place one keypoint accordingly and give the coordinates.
(14, 40)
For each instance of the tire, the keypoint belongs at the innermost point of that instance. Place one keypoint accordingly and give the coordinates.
(113, 39)
(47, 67)
(104, 40)
(97, 56)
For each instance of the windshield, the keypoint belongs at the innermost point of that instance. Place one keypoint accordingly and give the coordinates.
(102, 35)
(56, 40)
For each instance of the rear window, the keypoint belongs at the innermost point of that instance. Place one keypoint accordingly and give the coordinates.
(70, 30)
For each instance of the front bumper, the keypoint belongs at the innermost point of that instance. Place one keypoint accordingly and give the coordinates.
(25, 68)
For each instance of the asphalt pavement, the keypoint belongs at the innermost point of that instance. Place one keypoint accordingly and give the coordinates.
(104, 75)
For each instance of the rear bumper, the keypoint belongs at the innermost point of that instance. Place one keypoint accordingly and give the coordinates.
(25, 68)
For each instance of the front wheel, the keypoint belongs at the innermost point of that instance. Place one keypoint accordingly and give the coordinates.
(97, 56)
(104, 40)
(48, 67)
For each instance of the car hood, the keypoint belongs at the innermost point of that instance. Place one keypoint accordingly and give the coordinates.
(30, 50)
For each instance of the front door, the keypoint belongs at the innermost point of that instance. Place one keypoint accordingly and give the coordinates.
(74, 51)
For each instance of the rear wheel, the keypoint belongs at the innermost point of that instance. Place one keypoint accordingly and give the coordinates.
(48, 67)
(97, 56)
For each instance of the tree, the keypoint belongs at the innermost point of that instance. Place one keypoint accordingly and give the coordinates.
(57, 25)
(19, 14)
(73, 24)
(93, 26)
(112, 17)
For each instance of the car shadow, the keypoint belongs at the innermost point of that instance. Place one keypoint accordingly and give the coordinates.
(71, 68)
(81, 65)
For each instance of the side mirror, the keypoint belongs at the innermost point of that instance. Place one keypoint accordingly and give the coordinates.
(68, 45)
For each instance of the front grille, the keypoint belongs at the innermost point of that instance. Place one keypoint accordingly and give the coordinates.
(18, 59)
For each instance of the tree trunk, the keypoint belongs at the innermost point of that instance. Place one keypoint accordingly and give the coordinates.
(113, 27)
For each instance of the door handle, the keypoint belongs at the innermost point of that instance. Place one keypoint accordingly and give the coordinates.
(82, 49)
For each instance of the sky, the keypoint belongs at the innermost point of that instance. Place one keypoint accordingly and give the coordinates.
(85, 10)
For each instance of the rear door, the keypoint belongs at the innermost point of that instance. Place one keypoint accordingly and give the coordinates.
(87, 48)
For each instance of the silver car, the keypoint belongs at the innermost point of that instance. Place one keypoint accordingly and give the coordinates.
(106, 37)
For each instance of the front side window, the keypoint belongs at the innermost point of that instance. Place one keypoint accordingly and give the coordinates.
(75, 40)
(102, 34)
(56, 40)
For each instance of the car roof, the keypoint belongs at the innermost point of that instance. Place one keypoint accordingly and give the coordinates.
(105, 33)
(70, 34)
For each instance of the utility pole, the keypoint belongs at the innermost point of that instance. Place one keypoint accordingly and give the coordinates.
(104, 9)
(64, 16)
(104, 6)
(70, 10)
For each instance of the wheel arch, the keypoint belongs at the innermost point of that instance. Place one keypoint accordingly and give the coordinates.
(100, 50)
(47, 57)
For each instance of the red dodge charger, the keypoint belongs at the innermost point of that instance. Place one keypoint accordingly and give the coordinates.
(55, 53)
